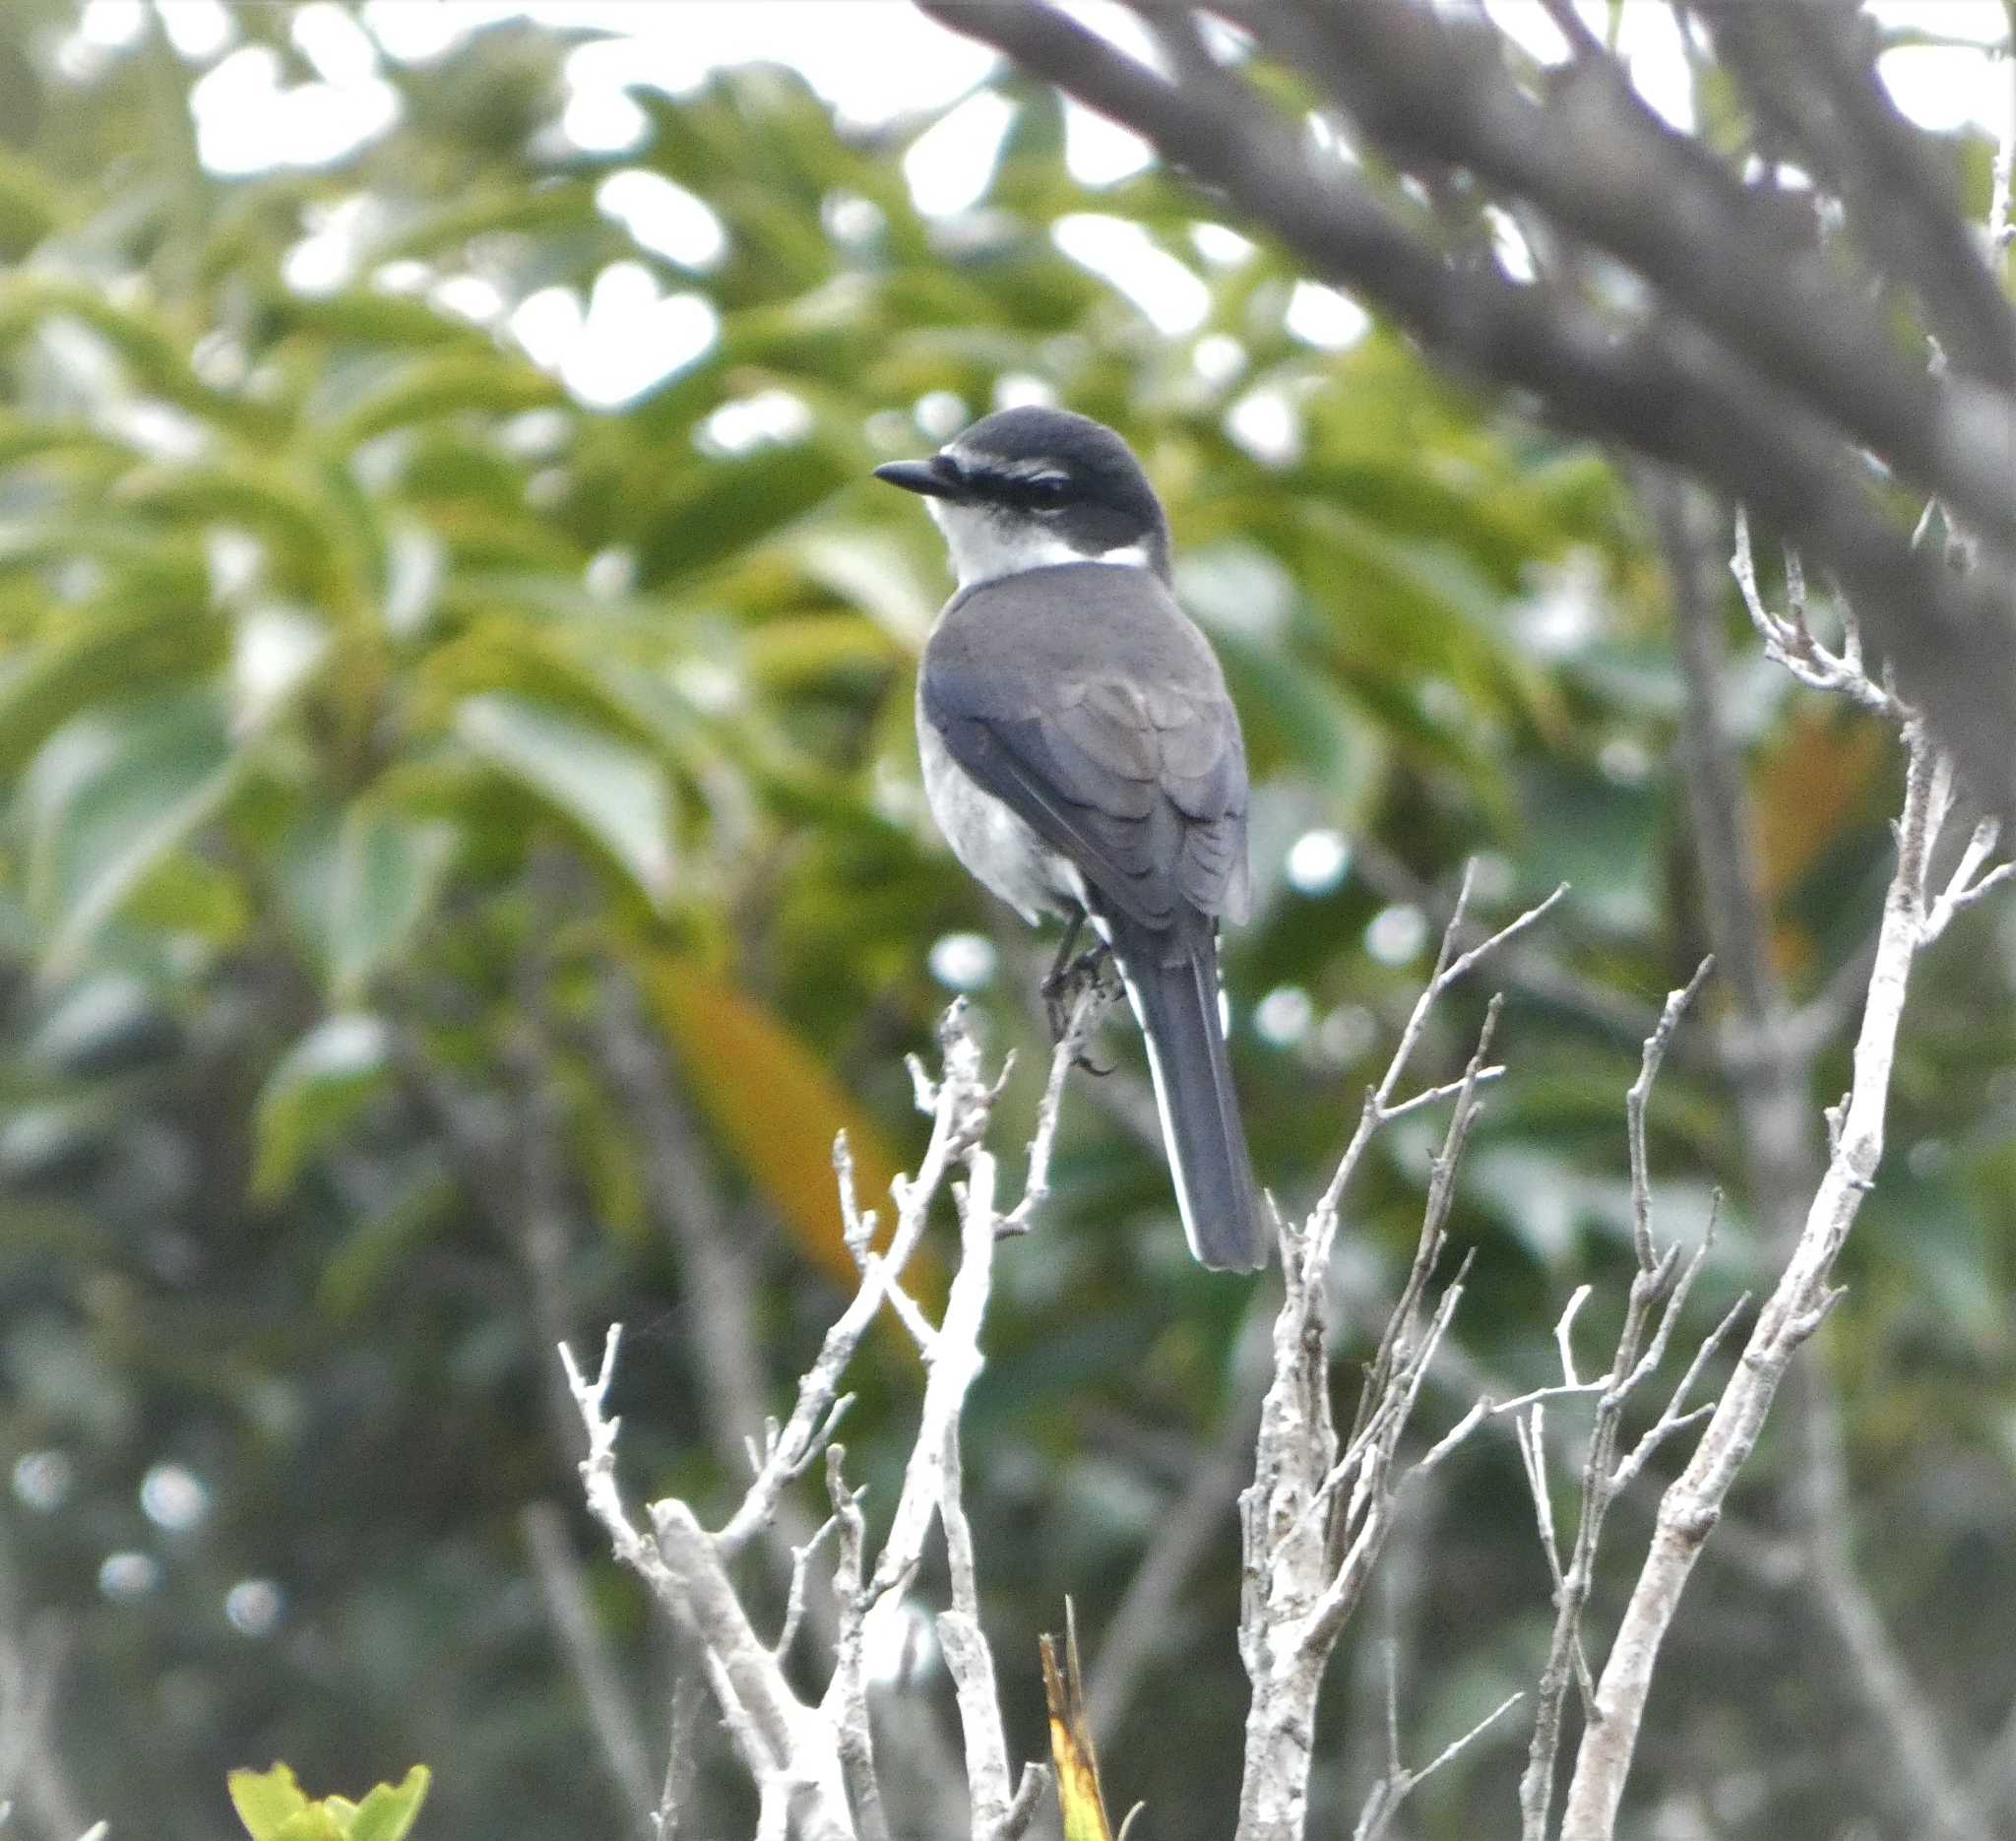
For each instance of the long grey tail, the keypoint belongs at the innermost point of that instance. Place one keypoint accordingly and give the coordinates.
(1173, 985)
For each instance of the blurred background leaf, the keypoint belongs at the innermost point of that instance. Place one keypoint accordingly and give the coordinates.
(439, 565)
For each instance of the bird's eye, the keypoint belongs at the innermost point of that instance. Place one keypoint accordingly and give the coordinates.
(1047, 490)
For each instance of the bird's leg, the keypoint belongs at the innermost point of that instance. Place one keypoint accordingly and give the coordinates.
(1068, 976)
(1057, 984)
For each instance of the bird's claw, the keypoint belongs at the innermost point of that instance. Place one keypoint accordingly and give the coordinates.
(1063, 992)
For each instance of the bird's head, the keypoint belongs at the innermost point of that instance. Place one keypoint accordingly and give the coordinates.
(1028, 488)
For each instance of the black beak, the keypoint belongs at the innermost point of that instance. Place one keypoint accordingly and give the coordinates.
(937, 478)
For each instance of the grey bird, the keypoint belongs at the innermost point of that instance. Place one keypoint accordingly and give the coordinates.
(1083, 758)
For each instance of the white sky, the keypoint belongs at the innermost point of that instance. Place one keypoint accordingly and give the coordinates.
(875, 60)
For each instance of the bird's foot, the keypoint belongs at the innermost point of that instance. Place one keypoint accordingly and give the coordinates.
(1063, 992)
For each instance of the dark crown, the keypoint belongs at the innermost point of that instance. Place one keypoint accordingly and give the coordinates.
(1047, 460)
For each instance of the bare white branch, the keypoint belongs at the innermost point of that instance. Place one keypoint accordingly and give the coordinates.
(1449, 966)
(795, 1597)
(1315, 1519)
(1677, 1417)
(1968, 883)
(1434, 1096)
(1563, 1333)
(816, 1410)
(1530, 1435)
(1788, 641)
(790, 1758)
(682, 1759)
(1799, 1302)
(1634, 1111)
(1380, 1808)
(1086, 1010)
(813, 1765)
(1641, 1343)
(846, 1693)
(971, 1662)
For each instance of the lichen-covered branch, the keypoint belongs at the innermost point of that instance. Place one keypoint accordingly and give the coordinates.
(1659, 1293)
(1770, 1064)
(812, 1761)
(1320, 1507)
(1803, 1294)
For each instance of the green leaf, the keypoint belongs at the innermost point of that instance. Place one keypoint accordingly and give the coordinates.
(316, 1822)
(318, 1086)
(490, 384)
(153, 352)
(729, 505)
(256, 494)
(274, 1808)
(107, 799)
(132, 645)
(164, 562)
(385, 872)
(613, 792)
(27, 437)
(359, 1269)
(554, 209)
(381, 320)
(266, 1800)
(389, 1811)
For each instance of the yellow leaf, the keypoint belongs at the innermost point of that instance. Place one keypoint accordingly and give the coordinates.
(1810, 785)
(777, 1111)
(1079, 1795)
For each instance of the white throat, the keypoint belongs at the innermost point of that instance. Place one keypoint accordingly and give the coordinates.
(985, 545)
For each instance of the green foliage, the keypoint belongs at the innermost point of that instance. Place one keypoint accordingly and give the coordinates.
(619, 797)
(315, 1091)
(372, 692)
(274, 1808)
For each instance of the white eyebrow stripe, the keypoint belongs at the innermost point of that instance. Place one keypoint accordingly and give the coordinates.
(989, 466)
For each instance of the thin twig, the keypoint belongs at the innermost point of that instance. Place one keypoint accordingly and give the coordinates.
(681, 1754)
(785, 1755)
(1768, 1054)
(848, 1694)
(1392, 1791)
(1640, 1342)
(1314, 1522)
(1796, 1306)
(1091, 1003)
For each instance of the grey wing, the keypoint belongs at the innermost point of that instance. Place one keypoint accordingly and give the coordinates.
(1141, 785)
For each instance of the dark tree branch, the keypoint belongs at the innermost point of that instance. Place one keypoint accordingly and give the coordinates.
(1900, 203)
(1609, 171)
(1671, 391)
